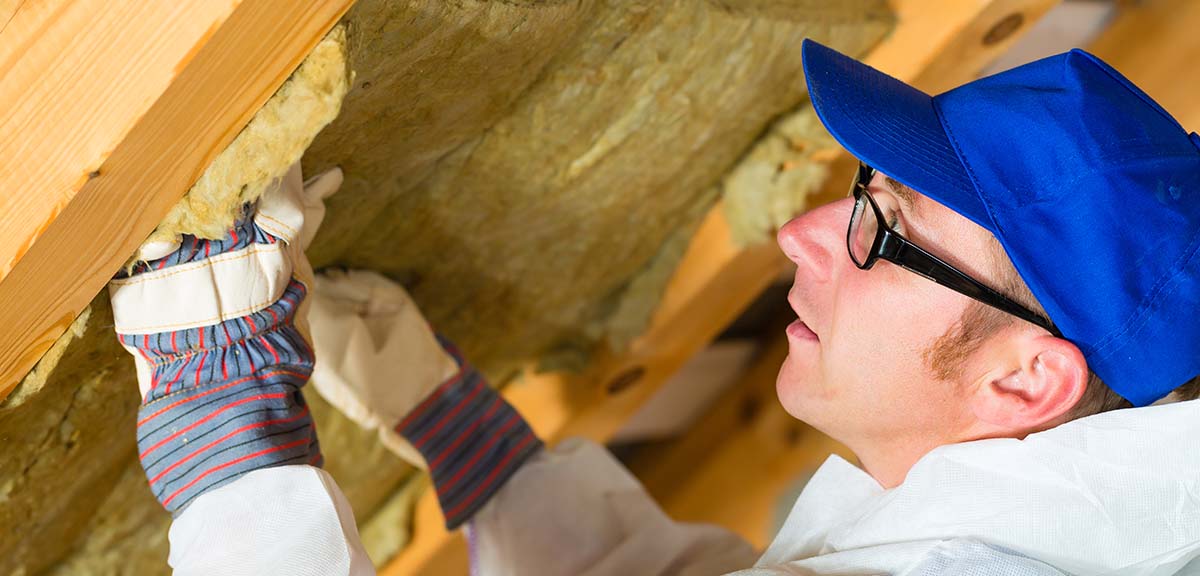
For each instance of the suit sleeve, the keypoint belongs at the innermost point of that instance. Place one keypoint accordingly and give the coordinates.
(570, 510)
(224, 433)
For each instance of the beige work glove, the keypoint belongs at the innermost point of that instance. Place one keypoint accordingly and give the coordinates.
(376, 356)
(215, 327)
(214, 289)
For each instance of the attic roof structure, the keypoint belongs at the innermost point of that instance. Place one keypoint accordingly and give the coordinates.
(576, 192)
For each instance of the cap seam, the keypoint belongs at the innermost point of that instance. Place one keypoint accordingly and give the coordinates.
(891, 135)
(937, 110)
(1125, 83)
(1141, 315)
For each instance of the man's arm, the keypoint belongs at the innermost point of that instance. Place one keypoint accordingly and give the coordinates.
(571, 510)
(224, 433)
(575, 509)
(470, 438)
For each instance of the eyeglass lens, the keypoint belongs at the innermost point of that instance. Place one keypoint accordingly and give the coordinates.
(864, 226)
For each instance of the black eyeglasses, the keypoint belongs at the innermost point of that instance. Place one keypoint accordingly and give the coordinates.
(871, 237)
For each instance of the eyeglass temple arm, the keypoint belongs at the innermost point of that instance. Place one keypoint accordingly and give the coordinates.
(917, 260)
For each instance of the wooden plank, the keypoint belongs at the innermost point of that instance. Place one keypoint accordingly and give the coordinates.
(69, 95)
(8, 8)
(936, 44)
(715, 282)
(109, 111)
(1153, 43)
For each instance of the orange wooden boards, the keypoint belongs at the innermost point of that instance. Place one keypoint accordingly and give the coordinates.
(109, 111)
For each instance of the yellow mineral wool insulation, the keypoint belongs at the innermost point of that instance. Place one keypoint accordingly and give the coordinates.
(773, 182)
(389, 529)
(36, 378)
(273, 140)
(632, 315)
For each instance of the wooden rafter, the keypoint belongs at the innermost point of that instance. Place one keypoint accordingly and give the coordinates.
(109, 111)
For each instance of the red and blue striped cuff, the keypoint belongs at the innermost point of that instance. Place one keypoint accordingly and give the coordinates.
(242, 234)
(471, 438)
(224, 399)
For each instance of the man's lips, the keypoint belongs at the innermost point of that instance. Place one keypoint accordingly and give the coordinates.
(800, 331)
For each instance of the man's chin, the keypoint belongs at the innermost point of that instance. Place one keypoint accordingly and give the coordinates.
(792, 387)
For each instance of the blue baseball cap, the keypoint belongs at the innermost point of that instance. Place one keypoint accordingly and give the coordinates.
(1091, 187)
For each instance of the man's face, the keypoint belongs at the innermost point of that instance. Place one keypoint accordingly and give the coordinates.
(855, 368)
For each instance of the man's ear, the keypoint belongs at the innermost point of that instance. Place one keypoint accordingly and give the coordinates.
(1042, 379)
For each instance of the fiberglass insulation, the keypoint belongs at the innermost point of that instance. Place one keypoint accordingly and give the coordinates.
(531, 171)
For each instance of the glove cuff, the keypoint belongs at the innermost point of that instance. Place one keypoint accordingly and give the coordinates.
(220, 362)
(471, 438)
(224, 400)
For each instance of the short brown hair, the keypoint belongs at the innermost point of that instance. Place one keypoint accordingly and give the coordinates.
(979, 322)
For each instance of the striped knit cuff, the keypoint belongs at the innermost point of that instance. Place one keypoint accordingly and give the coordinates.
(472, 440)
(192, 249)
(224, 399)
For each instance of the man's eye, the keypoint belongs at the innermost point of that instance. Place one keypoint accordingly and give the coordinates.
(891, 212)
(891, 216)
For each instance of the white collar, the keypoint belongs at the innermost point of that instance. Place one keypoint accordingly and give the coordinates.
(1099, 493)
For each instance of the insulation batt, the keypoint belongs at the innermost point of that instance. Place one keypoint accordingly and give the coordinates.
(272, 141)
(531, 171)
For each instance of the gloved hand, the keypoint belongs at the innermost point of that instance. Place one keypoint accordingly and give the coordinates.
(380, 364)
(377, 357)
(216, 329)
(213, 281)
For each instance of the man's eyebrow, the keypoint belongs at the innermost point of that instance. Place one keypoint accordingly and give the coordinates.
(904, 192)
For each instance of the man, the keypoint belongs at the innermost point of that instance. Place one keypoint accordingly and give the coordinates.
(1017, 258)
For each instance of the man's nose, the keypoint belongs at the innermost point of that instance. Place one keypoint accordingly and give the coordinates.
(816, 239)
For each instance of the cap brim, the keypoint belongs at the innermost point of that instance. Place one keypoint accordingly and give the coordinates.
(891, 126)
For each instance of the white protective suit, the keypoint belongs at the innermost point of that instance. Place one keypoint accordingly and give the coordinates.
(1112, 494)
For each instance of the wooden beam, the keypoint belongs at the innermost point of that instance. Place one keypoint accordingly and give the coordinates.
(109, 111)
(1154, 43)
(936, 44)
(716, 280)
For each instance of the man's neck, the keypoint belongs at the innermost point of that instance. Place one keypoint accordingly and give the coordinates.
(889, 465)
